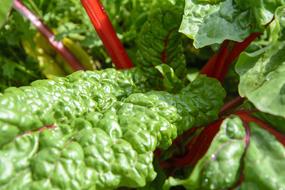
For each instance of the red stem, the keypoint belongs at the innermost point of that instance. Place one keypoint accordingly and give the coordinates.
(218, 65)
(222, 61)
(176, 144)
(106, 32)
(245, 116)
(200, 146)
(197, 147)
(241, 46)
(163, 56)
(210, 69)
(231, 105)
(49, 35)
(185, 135)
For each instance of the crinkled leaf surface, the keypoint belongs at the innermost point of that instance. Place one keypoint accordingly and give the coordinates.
(197, 104)
(94, 130)
(48, 102)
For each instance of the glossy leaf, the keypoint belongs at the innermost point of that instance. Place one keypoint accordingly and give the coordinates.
(219, 167)
(264, 162)
(94, 130)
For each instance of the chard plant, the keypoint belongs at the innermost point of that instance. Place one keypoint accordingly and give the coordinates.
(196, 102)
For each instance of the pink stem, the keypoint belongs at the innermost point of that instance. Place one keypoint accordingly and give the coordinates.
(106, 32)
(49, 35)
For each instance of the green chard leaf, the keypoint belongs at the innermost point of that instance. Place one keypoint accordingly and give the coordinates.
(242, 156)
(159, 41)
(212, 22)
(219, 167)
(264, 164)
(197, 104)
(170, 81)
(94, 130)
(48, 102)
(262, 78)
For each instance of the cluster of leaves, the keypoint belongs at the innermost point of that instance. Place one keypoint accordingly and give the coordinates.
(17, 68)
(132, 21)
(69, 19)
(214, 157)
(27, 56)
(161, 125)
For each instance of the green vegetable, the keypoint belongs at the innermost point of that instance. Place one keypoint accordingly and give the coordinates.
(48, 102)
(243, 155)
(91, 130)
(159, 41)
(264, 162)
(212, 22)
(219, 167)
(262, 81)
(161, 125)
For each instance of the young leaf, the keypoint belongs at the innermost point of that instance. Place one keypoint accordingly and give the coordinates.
(171, 82)
(159, 41)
